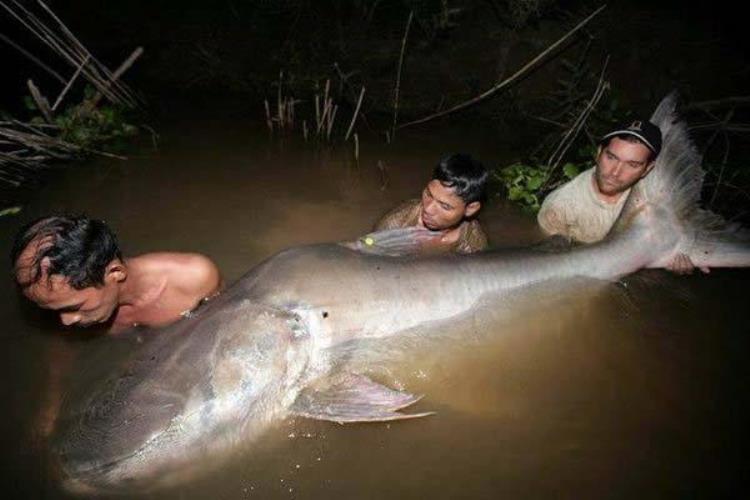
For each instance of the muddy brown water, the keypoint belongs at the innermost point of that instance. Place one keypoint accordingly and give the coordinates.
(637, 389)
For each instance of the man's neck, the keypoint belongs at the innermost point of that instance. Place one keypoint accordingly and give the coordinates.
(140, 288)
(449, 234)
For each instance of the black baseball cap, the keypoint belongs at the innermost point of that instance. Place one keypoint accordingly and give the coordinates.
(644, 130)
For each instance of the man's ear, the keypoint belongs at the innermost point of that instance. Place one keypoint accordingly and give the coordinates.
(472, 208)
(115, 272)
(648, 168)
(44, 266)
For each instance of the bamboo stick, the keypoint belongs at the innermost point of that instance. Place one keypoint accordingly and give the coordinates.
(32, 58)
(354, 116)
(69, 84)
(126, 64)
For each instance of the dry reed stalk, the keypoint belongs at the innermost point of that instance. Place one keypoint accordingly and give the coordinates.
(317, 111)
(42, 103)
(356, 112)
(45, 145)
(269, 122)
(383, 175)
(572, 132)
(69, 84)
(356, 148)
(325, 117)
(398, 77)
(110, 79)
(290, 113)
(279, 103)
(330, 123)
(512, 79)
(69, 48)
(126, 64)
(32, 58)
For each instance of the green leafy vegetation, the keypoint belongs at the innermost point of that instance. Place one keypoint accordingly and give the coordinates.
(524, 182)
(85, 124)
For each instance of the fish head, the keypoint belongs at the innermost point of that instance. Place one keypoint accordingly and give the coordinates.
(185, 401)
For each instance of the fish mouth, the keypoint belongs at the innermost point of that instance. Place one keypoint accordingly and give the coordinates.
(94, 479)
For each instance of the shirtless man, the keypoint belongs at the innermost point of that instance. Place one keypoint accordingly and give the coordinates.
(72, 265)
(449, 204)
(586, 208)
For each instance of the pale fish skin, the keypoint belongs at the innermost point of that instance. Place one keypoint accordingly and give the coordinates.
(266, 349)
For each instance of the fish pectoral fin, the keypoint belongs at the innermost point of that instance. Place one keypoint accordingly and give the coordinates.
(355, 398)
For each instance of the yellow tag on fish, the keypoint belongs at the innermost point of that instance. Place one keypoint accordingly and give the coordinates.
(369, 241)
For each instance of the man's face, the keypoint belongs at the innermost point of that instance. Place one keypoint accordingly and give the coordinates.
(442, 208)
(620, 164)
(83, 307)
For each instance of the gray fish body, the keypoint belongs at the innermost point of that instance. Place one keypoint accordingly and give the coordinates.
(205, 385)
(201, 388)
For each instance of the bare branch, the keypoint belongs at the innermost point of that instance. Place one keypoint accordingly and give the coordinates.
(398, 76)
(512, 79)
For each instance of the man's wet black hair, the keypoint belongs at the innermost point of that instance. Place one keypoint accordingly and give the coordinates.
(465, 175)
(78, 248)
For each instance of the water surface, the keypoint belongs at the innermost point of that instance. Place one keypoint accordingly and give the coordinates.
(622, 390)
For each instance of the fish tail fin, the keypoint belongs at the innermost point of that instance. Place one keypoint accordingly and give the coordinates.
(666, 203)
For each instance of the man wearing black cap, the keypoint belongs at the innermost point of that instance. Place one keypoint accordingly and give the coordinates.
(585, 208)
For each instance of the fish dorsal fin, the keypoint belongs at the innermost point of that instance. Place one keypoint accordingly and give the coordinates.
(354, 398)
(396, 242)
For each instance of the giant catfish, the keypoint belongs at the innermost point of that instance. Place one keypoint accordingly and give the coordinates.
(266, 348)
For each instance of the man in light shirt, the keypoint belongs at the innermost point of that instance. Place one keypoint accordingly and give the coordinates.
(586, 208)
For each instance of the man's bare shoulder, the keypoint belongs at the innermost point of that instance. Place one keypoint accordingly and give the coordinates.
(191, 273)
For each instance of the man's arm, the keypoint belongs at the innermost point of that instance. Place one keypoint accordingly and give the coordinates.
(475, 240)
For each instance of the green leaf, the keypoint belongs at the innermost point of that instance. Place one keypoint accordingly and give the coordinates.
(515, 193)
(89, 92)
(570, 170)
(534, 183)
(29, 103)
(9, 211)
